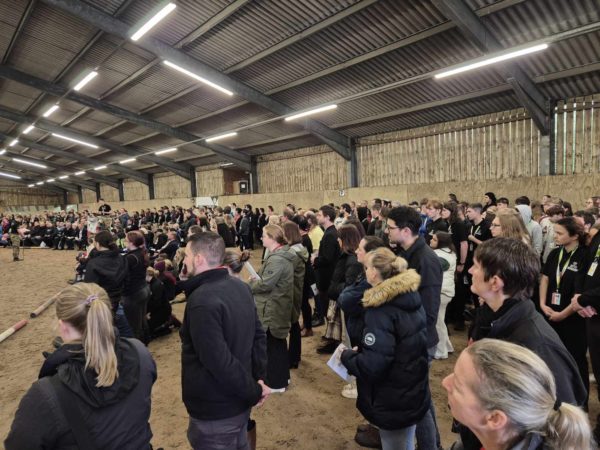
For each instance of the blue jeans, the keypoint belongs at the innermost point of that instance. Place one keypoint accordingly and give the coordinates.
(428, 435)
(402, 439)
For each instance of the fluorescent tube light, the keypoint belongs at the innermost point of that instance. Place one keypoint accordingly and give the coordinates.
(64, 177)
(39, 183)
(50, 180)
(31, 185)
(85, 80)
(198, 77)
(167, 150)
(13, 143)
(50, 110)
(80, 172)
(99, 167)
(493, 60)
(125, 161)
(310, 112)
(153, 21)
(10, 175)
(77, 141)
(226, 164)
(28, 129)
(3, 151)
(221, 136)
(29, 163)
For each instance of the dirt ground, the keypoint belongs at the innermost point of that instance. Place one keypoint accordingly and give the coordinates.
(311, 414)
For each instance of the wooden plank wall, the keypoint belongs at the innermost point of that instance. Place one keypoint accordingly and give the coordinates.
(209, 181)
(109, 193)
(493, 146)
(89, 196)
(578, 135)
(308, 169)
(170, 186)
(135, 190)
(15, 195)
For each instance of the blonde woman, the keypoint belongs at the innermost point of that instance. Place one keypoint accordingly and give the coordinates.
(95, 390)
(509, 223)
(506, 395)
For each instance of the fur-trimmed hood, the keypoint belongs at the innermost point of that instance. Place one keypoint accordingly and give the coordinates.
(388, 290)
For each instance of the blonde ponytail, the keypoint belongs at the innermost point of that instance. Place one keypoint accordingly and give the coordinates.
(87, 308)
(385, 262)
(516, 381)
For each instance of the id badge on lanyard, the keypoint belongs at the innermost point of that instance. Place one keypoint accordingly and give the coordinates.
(559, 274)
(594, 265)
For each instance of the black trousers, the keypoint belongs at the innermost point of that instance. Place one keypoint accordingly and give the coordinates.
(135, 307)
(306, 313)
(322, 303)
(455, 309)
(278, 362)
(295, 350)
(593, 338)
(572, 332)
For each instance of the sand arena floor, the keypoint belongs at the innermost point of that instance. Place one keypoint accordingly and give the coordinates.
(311, 415)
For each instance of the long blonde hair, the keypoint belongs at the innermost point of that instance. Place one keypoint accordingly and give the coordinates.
(512, 225)
(87, 308)
(516, 381)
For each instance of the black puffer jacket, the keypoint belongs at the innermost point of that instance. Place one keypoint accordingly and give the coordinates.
(350, 300)
(391, 369)
(116, 416)
(347, 270)
(107, 269)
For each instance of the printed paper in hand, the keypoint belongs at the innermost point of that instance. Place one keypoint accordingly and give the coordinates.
(335, 363)
(251, 270)
(314, 288)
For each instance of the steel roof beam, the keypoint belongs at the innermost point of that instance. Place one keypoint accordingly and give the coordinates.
(19, 30)
(107, 23)
(26, 180)
(44, 175)
(474, 29)
(57, 90)
(181, 169)
(130, 173)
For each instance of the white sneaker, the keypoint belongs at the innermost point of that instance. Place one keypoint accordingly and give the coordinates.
(349, 391)
(43, 245)
(278, 391)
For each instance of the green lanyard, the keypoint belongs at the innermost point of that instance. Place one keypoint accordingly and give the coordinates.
(476, 229)
(560, 273)
(597, 254)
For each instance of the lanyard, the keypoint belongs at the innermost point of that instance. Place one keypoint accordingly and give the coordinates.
(560, 273)
(597, 256)
(476, 229)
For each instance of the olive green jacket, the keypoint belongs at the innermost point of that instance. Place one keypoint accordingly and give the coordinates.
(274, 292)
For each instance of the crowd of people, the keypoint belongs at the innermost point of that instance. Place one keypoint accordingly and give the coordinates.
(387, 282)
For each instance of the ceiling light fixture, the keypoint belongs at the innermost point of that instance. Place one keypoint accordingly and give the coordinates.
(64, 177)
(160, 15)
(125, 161)
(77, 141)
(198, 77)
(50, 180)
(85, 80)
(29, 163)
(99, 167)
(80, 173)
(10, 175)
(226, 164)
(167, 150)
(13, 143)
(492, 60)
(310, 112)
(221, 136)
(28, 129)
(3, 151)
(39, 183)
(50, 110)
(31, 185)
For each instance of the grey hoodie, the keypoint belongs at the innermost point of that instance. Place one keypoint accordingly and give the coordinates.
(534, 228)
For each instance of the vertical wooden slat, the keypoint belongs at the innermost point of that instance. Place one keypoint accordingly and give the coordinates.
(560, 138)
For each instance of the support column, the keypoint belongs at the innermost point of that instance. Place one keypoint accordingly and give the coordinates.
(98, 194)
(253, 176)
(151, 186)
(65, 199)
(80, 194)
(121, 190)
(352, 165)
(193, 185)
(547, 158)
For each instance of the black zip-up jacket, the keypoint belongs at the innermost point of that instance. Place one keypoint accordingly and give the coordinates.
(224, 347)
(116, 417)
(424, 260)
(108, 269)
(329, 252)
(135, 280)
(347, 270)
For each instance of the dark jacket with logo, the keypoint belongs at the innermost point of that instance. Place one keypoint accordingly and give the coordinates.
(116, 417)
(223, 347)
(391, 368)
(427, 264)
(350, 300)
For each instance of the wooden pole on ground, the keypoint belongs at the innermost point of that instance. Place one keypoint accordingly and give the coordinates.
(40, 309)
(12, 330)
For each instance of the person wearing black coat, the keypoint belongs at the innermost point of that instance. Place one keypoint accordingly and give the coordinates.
(391, 367)
(171, 246)
(326, 260)
(80, 401)
(225, 232)
(136, 292)
(224, 353)
(403, 224)
(514, 318)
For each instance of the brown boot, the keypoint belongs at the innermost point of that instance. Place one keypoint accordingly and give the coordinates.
(252, 437)
(369, 438)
